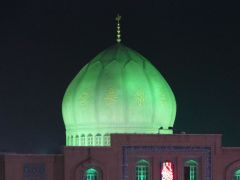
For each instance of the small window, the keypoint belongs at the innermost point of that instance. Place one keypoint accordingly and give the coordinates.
(91, 174)
(106, 140)
(82, 140)
(77, 140)
(190, 170)
(98, 140)
(142, 170)
(90, 140)
(68, 140)
(237, 174)
(71, 141)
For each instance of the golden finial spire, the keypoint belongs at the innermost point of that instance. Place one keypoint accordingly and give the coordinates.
(118, 18)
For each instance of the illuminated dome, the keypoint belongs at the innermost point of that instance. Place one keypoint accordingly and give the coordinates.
(119, 91)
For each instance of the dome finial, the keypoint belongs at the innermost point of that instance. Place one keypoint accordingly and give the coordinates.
(118, 18)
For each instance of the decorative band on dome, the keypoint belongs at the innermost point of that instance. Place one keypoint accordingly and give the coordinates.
(88, 139)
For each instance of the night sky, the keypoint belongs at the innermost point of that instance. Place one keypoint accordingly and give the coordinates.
(43, 44)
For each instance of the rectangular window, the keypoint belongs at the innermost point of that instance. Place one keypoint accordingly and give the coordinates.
(142, 173)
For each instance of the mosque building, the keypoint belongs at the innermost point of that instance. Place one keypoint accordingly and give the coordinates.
(119, 114)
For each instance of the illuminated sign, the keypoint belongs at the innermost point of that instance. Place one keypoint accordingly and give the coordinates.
(167, 171)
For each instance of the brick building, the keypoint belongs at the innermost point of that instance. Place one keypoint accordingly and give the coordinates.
(119, 115)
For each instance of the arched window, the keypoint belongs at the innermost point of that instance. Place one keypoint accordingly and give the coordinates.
(91, 174)
(106, 140)
(82, 140)
(71, 141)
(90, 140)
(98, 140)
(142, 170)
(237, 174)
(68, 140)
(77, 140)
(190, 170)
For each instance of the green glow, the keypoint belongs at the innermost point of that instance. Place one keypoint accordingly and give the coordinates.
(142, 170)
(91, 174)
(192, 169)
(237, 175)
(119, 91)
(237, 172)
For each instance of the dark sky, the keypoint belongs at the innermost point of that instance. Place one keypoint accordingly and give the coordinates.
(43, 44)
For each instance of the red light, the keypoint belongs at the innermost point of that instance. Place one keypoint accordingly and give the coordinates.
(167, 171)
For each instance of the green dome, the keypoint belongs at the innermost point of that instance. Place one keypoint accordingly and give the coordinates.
(119, 91)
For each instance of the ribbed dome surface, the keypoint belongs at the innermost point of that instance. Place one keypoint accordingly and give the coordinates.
(119, 91)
